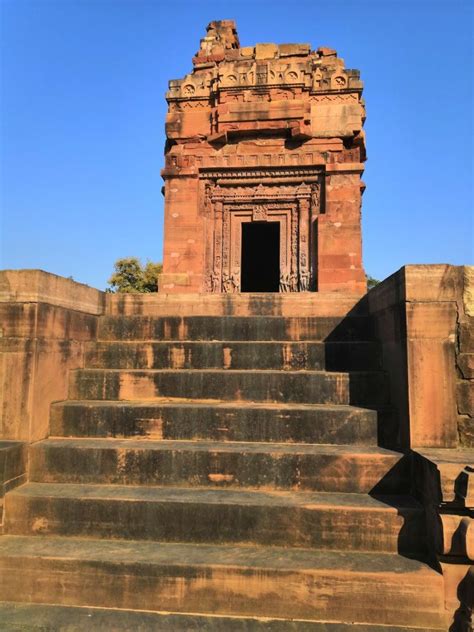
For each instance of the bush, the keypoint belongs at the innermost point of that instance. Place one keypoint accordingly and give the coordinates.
(131, 276)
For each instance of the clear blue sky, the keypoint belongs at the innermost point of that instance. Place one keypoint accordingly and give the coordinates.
(83, 108)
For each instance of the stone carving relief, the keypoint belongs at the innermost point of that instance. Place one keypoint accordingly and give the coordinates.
(291, 76)
(315, 198)
(339, 81)
(288, 282)
(260, 213)
(304, 283)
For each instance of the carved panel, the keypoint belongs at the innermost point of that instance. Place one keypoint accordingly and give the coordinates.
(260, 213)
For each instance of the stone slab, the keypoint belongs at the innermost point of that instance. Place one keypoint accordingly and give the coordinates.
(251, 328)
(332, 356)
(358, 469)
(360, 388)
(363, 587)
(18, 617)
(248, 304)
(214, 420)
(166, 514)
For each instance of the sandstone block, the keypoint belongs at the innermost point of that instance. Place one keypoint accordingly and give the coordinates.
(466, 364)
(291, 50)
(266, 51)
(465, 397)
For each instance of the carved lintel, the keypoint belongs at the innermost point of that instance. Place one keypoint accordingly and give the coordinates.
(260, 213)
(303, 191)
(300, 173)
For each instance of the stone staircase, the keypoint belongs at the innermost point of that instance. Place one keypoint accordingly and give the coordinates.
(222, 473)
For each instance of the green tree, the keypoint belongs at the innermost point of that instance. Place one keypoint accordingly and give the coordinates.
(131, 276)
(371, 282)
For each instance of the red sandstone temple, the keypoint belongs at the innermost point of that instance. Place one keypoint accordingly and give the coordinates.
(264, 156)
(248, 461)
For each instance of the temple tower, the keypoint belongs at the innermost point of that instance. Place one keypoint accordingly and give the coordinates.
(264, 156)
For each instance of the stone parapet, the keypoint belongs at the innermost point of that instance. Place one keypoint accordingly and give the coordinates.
(423, 327)
(45, 322)
(37, 286)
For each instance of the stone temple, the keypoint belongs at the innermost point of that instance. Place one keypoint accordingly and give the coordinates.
(264, 156)
(263, 445)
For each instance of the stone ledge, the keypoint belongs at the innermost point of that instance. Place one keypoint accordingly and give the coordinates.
(38, 286)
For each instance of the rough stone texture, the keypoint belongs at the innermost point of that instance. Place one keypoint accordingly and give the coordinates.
(268, 133)
(443, 481)
(465, 361)
(36, 617)
(13, 460)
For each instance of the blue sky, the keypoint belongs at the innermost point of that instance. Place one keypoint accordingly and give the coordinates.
(83, 108)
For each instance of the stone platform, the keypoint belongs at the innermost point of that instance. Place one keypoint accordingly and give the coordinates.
(224, 462)
(223, 465)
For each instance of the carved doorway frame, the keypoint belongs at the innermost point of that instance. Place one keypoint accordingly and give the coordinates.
(282, 214)
(226, 208)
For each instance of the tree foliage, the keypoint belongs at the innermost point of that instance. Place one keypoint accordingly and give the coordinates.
(371, 282)
(130, 276)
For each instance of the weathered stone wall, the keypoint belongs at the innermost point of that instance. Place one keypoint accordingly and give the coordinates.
(45, 322)
(465, 362)
(13, 460)
(426, 332)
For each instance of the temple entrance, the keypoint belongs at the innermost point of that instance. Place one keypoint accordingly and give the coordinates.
(260, 257)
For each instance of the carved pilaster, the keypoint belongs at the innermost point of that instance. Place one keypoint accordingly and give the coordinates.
(304, 271)
(226, 281)
(293, 280)
(216, 272)
(260, 213)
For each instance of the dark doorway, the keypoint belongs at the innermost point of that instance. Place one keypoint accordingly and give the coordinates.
(260, 257)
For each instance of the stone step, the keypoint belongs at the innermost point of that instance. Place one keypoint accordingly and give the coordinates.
(219, 421)
(348, 522)
(46, 618)
(241, 304)
(236, 328)
(366, 388)
(331, 356)
(352, 469)
(238, 580)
